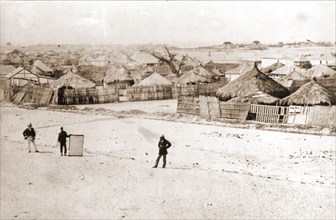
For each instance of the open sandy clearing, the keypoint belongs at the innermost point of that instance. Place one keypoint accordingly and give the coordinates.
(213, 172)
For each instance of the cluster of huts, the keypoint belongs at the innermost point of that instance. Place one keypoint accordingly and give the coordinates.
(296, 82)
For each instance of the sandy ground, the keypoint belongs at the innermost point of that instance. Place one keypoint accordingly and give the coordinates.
(212, 172)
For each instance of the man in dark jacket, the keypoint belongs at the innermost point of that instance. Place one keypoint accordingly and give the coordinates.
(29, 135)
(62, 140)
(163, 146)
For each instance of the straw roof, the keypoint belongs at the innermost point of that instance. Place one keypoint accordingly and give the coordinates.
(287, 69)
(5, 69)
(319, 70)
(253, 81)
(328, 57)
(272, 67)
(241, 69)
(189, 61)
(301, 58)
(72, 80)
(310, 93)
(41, 66)
(117, 75)
(155, 79)
(196, 75)
(144, 58)
(255, 98)
(287, 80)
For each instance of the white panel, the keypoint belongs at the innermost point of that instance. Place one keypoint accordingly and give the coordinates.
(76, 143)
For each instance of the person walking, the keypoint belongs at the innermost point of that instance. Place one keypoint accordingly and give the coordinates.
(62, 140)
(29, 135)
(163, 145)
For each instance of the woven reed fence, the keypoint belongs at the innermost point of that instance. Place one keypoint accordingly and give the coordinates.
(322, 115)
(234, 110)
(209, 106)
(89, 96)
(188, 105)
(142, 93)
(270, 114)
(38, 95)
(207, 89)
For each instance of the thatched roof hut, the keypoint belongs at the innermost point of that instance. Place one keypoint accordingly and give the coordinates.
(282, 71)
(319, 71)
(310, 93)
(255, 98)
(72, 80)
(115, 75)
(253, 81)
(155, 79)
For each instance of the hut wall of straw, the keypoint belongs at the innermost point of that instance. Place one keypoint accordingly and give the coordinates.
(207, 89)
(234, 110)
(322, 115)
(209, 106)
(89, 95)
(188, 105)
(6, 93)
(155, 92)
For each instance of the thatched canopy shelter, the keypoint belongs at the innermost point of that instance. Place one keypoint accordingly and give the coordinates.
(256, 98)
(115, 75)
(72, 80)
(310, 93)
(155, 79)
(319, 71)
(253, 81)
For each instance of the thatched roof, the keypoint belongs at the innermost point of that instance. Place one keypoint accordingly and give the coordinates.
(301, 58)
(155, 79)
(256, 98)
(117, 75)
(39, 64)
(287, 69)
(5, 69)
(241, 69)
(72, 80)
(272, 67)
(253, 81)
(196, 75)
(328, 57)
(189, 61)
(288, 79)
(318, 71)
(144, 58)
(310, 93)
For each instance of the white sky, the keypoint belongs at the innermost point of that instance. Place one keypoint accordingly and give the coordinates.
(190, 23)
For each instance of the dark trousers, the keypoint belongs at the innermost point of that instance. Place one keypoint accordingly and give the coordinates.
(158, 159)
(63, 145)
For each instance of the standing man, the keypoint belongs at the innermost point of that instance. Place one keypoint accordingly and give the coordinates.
(62, 140)
(163, 146)
(29, 134)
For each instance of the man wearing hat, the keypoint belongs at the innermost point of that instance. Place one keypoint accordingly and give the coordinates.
(163, 146)
(62, 140)
(29, 134)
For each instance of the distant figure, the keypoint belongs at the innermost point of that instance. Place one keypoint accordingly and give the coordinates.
(62, 140)
(163, 146)
(29, 134)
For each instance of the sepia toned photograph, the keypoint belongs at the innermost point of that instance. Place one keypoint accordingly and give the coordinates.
(167, 109)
